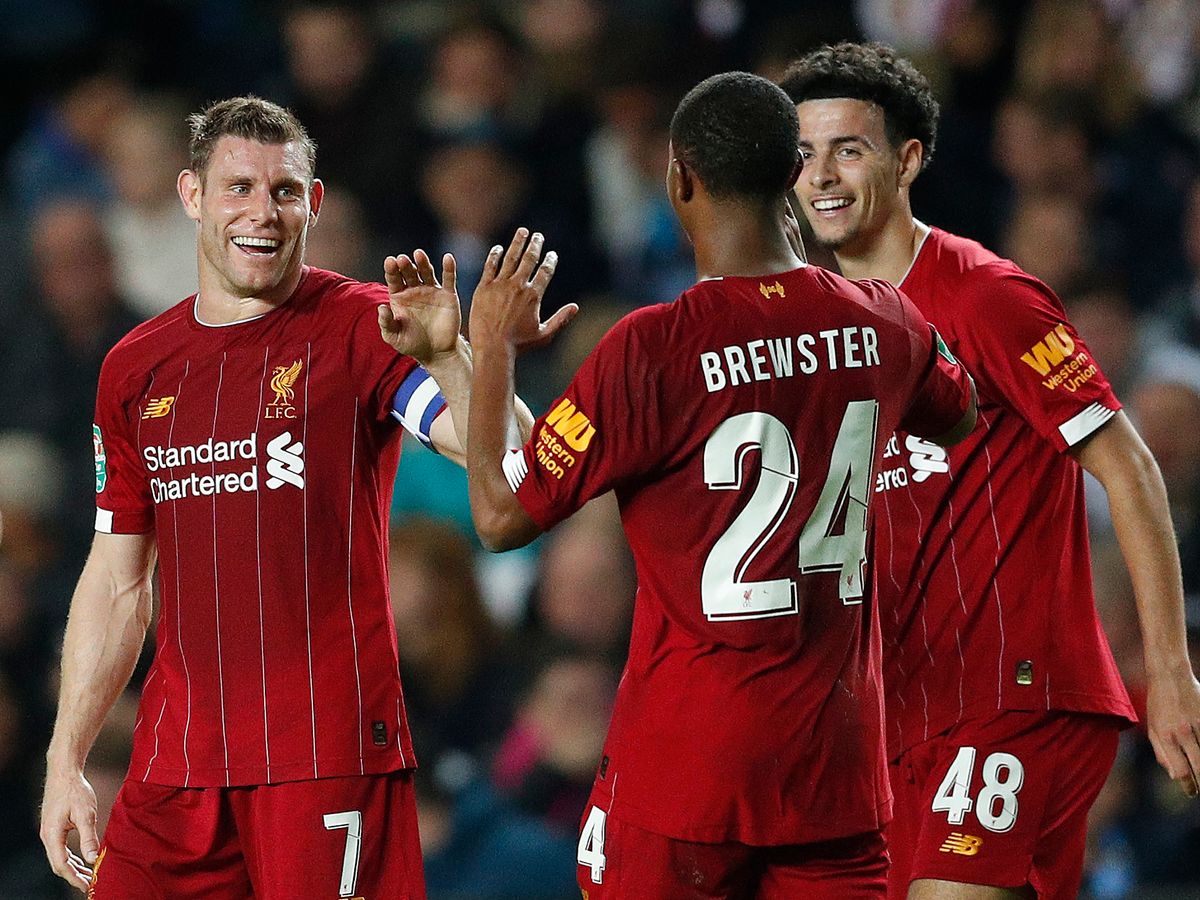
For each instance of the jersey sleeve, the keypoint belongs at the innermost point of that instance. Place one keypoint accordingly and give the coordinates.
(399, 388)
(596, 435)
(1025, 354)
(124, 504)
(943, 392)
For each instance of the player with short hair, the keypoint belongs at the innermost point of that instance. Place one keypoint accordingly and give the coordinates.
(246, 440)
(1004, 702)
(739, 427)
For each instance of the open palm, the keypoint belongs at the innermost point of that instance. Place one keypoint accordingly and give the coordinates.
(423, 317)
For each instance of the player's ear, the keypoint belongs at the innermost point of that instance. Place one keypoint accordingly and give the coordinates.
(189, 184)
(795, 176)
(316, 193)
(911, 155)
(681, 184)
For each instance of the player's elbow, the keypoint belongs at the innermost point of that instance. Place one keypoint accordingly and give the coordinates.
(964, 427)
(499, 529)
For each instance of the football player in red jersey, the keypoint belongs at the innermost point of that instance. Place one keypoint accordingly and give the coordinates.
(740, 427)
(1003, 699)
(271, 756)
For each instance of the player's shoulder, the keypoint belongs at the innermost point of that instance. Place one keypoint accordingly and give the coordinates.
(155, 337)
(978, 279)
(337, 294)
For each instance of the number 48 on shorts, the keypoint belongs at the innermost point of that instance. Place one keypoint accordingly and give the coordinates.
(995, 803)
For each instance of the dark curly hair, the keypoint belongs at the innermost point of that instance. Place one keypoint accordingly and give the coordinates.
(739, 134)
(871, 72)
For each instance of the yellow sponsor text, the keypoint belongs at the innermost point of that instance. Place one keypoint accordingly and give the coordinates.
(572, 426)
(962, 844)
(1051, 350)
(1073, 375)
(158, 407)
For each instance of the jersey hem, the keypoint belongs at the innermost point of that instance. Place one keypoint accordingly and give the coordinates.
(251, 776)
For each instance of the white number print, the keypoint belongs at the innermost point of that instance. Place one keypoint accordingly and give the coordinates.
(352, 822)
(995, 804)
(844, 497)
(591, 844)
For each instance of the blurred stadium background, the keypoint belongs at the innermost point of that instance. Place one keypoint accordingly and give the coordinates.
(1070, 141)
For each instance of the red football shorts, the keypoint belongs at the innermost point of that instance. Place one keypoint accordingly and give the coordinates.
(1000, 800)
(352, 837)
(618, 861)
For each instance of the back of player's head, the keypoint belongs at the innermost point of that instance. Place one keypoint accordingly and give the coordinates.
(248, 117)
(874, 73)
(738, 133)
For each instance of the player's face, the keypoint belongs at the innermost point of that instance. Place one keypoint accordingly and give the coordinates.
(850, 185)
(254, 205)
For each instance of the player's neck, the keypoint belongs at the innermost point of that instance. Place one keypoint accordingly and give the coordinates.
(888, 254)
(219, 303)
(739, 242)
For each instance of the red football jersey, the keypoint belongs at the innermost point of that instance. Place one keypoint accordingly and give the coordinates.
(262, 453)
(984, 572)
(740, 426)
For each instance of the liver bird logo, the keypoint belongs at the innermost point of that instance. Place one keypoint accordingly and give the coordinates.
(282, 380)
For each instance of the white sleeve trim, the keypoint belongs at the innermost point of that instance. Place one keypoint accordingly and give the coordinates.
(104, 521)
(1079, 426)
(515, 468)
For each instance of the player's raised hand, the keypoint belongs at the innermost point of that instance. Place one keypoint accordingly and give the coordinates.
(69, 804)
(1173, 721)
(507, 304)
(422, 317)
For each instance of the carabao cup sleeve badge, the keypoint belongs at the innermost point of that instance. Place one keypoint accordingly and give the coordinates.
(100, 458)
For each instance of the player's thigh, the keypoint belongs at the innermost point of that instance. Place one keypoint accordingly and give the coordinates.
(851, 868)
(618, 861)
(177, 843)
(333, 837)
(988, 797)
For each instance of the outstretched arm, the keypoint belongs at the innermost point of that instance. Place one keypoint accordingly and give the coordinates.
(505, 319)
(423, 320)
(109, 615)
(1137, 498)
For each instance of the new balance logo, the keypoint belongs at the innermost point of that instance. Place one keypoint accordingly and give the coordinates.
(286, 464)
(1051, 350)
(158, 407)
(962, 844)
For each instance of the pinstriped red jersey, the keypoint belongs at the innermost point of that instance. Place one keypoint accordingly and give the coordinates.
(739, 427)
(985, 588)
(261, 454)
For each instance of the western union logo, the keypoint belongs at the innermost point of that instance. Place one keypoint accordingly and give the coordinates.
(158, 407)
(572, 426)
(962, 844)
(1051, 350)
(768, 289)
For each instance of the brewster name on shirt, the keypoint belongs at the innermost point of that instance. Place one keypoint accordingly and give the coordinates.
(761, 360)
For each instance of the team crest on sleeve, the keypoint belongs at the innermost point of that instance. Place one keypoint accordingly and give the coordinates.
(100, 457)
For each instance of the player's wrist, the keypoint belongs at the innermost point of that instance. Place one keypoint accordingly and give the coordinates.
(1162, 667)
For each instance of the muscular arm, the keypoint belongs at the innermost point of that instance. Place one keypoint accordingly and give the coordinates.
(110, 612)
(1137, 498)
(448, 433)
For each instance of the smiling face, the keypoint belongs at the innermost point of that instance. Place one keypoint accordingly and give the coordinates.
(254, 203)
(854, 181)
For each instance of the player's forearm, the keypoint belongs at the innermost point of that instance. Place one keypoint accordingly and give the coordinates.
(497, 514)
(1141, 518)
(105, 632)
(453, 375)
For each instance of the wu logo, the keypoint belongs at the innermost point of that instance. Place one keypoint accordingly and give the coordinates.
(285, 464)
(1051, 350)
(283, 380)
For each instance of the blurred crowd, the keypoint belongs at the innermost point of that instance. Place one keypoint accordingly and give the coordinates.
(1070, 141)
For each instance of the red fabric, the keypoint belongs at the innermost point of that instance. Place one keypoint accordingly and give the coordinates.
(276, 651)
(731, 724)
(1065, 759)
(269, 842)
(640, 863)
(983, 556)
